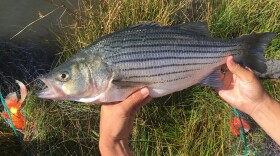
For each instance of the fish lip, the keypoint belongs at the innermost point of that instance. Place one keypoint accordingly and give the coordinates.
(48, 93)
(45, 93)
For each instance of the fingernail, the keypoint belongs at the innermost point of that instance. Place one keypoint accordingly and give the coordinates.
(231, 61)
(144, 91)
(249, 69)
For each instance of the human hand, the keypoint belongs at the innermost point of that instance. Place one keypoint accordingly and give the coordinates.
(116, 123)
(242, 89)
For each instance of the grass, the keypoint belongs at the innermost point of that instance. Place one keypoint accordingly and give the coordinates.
(191, 122)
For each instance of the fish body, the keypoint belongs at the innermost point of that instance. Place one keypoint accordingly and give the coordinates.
(165, 59)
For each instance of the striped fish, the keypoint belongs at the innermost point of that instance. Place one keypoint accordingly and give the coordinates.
(165, 59)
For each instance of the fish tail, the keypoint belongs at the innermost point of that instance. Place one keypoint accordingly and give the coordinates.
(252, 55)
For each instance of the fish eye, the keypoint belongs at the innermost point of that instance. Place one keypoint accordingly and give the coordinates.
(63, 76)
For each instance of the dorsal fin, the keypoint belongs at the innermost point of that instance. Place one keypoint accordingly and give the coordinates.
(198, 27)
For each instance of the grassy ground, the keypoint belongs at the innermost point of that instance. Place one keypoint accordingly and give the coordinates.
(192, 122)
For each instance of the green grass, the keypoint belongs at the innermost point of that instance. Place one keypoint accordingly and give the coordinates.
(192, 122)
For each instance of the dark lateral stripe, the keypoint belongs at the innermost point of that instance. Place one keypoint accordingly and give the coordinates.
(172, 44)
(161, 74)
(151, 34)
(199, 51)
(162, 36)
(167, 58)
(156, 32)
(171, 80)
(163, 66)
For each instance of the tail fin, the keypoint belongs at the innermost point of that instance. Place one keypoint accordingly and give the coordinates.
(253, 54)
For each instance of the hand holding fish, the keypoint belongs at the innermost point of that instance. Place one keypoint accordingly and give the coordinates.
(244, 91)
(116, 122)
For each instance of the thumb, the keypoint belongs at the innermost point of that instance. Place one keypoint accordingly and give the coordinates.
(134, 99)
(242, 73)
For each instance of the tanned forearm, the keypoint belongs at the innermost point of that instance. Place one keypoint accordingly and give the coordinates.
(267, 115)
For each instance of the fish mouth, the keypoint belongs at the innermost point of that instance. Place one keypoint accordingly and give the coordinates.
(50, 92)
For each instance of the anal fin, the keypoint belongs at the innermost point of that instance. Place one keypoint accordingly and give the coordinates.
(213, 79)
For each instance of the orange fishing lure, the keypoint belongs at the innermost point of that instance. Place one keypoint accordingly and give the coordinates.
(235, 125)
(14, 106)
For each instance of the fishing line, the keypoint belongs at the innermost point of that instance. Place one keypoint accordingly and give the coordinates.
(243, 134)
(28, 84)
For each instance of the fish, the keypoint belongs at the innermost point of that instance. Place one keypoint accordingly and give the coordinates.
(14, 106)
(273, 69)
(165, 59)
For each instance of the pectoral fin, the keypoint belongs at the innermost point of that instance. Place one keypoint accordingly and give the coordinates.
(120, 90)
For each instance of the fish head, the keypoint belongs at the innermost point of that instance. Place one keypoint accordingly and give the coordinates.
(80, 80)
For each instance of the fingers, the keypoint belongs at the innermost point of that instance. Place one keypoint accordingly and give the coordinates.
(139, 105)
(227, 82)
(242, 73)
(135, 99)
(142, 103)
